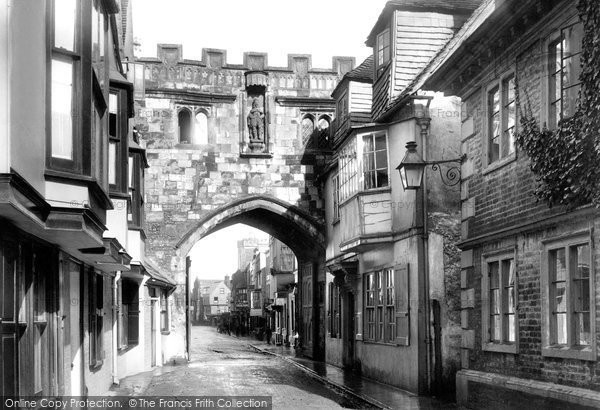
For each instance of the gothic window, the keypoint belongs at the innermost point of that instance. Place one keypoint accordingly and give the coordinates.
(185, 126)
(201, 128)
(323, 127)
(308, 126)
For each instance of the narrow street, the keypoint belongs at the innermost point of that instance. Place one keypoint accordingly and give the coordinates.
(228, 366)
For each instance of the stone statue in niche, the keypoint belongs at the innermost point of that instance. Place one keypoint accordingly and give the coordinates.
(256, 123)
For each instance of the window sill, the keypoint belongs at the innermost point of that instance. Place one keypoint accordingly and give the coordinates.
(500, 347)
(500, 163)
(576, 352)
(373, 342)
(165, 332)
(366, 192)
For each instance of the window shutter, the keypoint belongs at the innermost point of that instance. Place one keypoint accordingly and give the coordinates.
(402, 304)
(133, 319)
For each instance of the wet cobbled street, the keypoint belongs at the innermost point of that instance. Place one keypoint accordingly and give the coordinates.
(229, 366)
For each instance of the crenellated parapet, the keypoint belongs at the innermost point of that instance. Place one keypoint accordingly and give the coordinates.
(214, 74)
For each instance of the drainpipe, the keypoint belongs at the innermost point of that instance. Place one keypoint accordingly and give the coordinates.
(423, 123)
(115, 347)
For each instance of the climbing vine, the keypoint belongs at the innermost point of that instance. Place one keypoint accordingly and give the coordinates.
(566, 161)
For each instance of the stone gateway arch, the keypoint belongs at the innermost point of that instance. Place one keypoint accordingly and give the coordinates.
(208, 171)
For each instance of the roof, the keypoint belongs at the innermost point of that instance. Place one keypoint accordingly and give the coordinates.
(157, 275)
(363, 73)
(448, 6)
(479, 16)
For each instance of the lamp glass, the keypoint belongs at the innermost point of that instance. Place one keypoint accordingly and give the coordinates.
(411, 176)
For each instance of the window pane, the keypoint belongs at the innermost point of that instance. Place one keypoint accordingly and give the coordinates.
(560, 297)
(511, 328)
(561, 328)
(583, 328)
(495, 100)
(307, 129)
(62, 117)
(558, 265)
(112, 163)
(382, 178)
(573, 36)
(381, 159)
(494, 275)
(367, 143)
(495, 328)
(65, 23)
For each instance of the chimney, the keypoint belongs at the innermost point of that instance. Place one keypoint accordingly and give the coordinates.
(226, 281)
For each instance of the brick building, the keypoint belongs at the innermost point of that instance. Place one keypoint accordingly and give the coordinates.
(529, 272)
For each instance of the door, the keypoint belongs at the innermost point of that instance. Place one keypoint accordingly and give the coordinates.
(153, 332)
(348, 331)
(9, 327)
(75, 326)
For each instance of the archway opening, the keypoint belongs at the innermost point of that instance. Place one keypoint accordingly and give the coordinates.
(268, 288)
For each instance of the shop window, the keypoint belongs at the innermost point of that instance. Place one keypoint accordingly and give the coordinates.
(387, 306)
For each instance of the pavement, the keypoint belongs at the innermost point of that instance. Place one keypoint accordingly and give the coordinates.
(377, 394)
(224, 365)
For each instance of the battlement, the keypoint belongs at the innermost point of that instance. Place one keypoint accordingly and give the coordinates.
(172, 55)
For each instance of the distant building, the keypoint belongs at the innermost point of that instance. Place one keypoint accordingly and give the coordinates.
(210, 299)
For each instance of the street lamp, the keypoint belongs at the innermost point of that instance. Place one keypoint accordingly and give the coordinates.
(412, 168)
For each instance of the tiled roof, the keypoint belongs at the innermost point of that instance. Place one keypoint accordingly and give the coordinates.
(364, 72)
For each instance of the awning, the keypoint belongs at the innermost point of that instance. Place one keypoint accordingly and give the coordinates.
(109, 257)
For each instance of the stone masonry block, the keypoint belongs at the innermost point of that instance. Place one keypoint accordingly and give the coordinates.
(464, 318)
(467, 298)
(466, 258)
(468, 339)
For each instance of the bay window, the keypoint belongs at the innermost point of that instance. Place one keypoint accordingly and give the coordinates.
(364, 172)
(118, 141)
(77, 99)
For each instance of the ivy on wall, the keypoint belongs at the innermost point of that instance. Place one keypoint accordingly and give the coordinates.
(566, 161)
